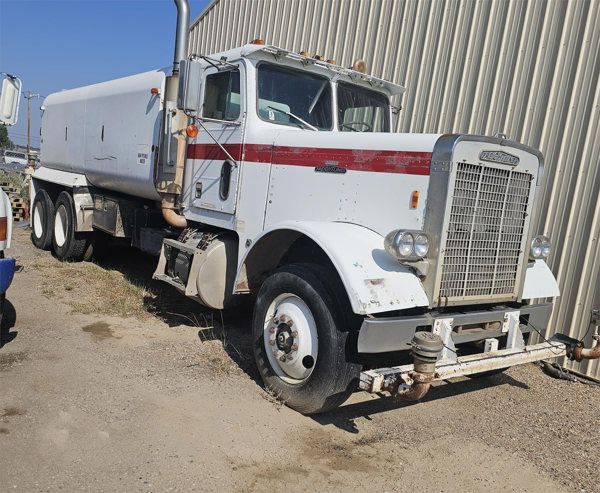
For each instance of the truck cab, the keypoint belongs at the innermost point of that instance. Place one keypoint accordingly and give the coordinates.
(401, 233)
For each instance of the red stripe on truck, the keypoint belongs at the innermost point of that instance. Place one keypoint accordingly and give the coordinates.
(403, 162)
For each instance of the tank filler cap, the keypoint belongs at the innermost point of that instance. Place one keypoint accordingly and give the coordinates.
(426, 344)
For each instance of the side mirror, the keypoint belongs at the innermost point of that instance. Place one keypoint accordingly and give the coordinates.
(9, 99)
(190, 80)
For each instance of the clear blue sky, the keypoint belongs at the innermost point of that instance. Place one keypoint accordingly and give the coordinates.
(60, 44)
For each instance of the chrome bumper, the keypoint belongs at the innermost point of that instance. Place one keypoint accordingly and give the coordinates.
(380, 335)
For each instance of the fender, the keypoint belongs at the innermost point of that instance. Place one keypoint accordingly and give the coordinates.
(375, 282)
(539, 282)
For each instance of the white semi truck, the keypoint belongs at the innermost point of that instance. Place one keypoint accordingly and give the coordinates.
(265, 173)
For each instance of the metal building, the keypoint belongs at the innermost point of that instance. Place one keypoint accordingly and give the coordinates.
(525, 68)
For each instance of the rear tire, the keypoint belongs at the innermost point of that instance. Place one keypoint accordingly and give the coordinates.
(42, 217)
(298, 314)
(67, 244)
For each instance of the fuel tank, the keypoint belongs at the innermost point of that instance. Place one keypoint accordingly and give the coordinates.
(109, 132)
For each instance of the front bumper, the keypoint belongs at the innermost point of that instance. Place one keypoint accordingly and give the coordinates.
(401, 378)
(411, 382)
(380, 335)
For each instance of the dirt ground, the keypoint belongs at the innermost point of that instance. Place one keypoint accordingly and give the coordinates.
(100, 394)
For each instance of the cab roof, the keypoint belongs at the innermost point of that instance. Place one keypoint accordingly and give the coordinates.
(265, 52)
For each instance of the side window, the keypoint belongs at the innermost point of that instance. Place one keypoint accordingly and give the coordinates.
(222, 96)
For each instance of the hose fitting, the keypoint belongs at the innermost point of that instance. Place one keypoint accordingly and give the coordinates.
(425, 348)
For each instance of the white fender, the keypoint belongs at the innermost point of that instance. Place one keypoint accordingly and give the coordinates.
(374, 280)
(539, 282)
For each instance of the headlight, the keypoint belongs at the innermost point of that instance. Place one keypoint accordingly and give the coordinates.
(406, 245)
(421, 245)
(540, 247)
(546, 246)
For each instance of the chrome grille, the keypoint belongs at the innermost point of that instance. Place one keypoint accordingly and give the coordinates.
(487, 221)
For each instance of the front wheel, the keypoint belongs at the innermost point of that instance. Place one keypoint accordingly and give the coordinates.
(301, 343)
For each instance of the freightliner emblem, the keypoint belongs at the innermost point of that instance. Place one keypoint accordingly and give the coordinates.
(330, 167)
(499, 157)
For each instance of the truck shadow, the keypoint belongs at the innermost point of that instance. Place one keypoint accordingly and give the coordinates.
(9, 318)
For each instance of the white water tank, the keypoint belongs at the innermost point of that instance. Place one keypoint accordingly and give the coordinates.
(108, 131)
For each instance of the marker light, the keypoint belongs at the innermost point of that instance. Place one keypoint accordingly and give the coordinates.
(414, 199)
(303, 53)
(154, 90)
(191, 131)
(3, 228)
(258, 42)
(331, 61)
(318, 57)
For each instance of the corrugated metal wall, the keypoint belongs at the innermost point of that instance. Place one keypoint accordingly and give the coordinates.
(528, 69)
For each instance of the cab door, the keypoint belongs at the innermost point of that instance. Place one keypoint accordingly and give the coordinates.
(215, 154)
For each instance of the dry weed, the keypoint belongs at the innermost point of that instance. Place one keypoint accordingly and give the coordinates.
(89, 288)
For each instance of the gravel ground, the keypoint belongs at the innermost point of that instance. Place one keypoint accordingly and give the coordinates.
(164, 399)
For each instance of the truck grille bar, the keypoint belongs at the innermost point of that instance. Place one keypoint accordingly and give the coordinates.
(486, 228)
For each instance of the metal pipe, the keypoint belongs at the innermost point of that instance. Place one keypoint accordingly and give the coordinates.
(426, 348)
(170, 212)
(172, 191)
(421, 383)
(182, 33)
(172, 171)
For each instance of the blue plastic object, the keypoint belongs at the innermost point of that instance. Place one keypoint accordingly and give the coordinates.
(7, 272)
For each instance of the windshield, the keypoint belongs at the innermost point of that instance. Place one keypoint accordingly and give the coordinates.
(293, 97)
(361, 110)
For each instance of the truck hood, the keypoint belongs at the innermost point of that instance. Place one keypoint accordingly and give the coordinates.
(359, 151)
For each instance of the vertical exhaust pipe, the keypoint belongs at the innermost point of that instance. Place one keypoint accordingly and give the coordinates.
(182, 33)
(170, 179)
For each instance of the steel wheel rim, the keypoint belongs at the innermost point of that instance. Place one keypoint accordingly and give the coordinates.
(290, 338)
(60, 226)
(38, 230)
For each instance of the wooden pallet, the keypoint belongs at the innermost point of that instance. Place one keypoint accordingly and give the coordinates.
(20, 206)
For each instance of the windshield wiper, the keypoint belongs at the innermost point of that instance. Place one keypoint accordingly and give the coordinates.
(294, 116)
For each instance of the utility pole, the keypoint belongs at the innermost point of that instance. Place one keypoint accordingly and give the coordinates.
(29, 96)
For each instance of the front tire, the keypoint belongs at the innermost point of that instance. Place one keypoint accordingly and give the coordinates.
(302, 344)
(66, 243)
(42, 216)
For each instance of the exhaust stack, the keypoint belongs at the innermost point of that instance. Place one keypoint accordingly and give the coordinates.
(182, 33)
(170, 168)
